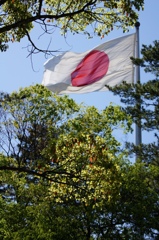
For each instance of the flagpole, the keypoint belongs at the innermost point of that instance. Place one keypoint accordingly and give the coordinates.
(138, 136)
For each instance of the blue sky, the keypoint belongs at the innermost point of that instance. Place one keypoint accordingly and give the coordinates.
(17, 71)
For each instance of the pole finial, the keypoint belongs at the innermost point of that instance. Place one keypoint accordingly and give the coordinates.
(137, 24)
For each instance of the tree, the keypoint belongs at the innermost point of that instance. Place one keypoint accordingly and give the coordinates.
(142, 103)
(125, 210)
(142, 100)
(35, 125)
(64, 175)
(31, 120)
(18, 18)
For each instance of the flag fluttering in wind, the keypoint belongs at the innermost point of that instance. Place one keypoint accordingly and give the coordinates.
(107, 64)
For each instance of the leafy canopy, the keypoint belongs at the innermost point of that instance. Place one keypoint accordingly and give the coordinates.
(18, 17)
(65, 176)
(39, 129)
(142, 102)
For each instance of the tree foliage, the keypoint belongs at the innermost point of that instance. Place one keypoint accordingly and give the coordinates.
(18, 17)
(44, 133)
(142, 102)
(65, 176)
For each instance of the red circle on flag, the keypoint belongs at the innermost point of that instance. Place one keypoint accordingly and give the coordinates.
(91, 69)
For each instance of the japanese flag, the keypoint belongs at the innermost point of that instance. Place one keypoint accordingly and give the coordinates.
(107, 64)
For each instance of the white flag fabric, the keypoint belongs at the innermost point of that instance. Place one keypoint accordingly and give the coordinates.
(107, 64)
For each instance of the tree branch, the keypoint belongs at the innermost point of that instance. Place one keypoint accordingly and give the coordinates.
(43, 174)
(44, 16)
(40, 6)
(35, 48)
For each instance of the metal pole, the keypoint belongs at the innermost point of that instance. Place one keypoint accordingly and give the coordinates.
(138, 137)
